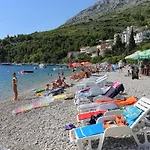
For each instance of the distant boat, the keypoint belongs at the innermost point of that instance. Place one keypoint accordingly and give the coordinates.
(6, 63)
(19, 64)
(42, 66)
(25, 71)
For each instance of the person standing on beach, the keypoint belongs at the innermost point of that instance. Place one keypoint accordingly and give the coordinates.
(120, 65)
(14, 86)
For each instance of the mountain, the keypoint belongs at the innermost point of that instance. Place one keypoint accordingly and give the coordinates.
(98, 22)
(105, 7)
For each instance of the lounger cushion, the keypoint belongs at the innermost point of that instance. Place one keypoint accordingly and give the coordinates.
(94, 91)
(89, 130)
(91, 105)
(89, 114)
(131, 113)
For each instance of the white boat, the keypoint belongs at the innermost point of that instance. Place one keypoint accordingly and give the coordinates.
(42, 66)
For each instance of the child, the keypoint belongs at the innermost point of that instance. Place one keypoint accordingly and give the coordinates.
(47, 87)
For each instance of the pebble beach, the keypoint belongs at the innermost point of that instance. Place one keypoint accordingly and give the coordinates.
(43, 128)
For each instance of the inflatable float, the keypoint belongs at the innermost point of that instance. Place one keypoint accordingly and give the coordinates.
(39, 90)
(42, 102)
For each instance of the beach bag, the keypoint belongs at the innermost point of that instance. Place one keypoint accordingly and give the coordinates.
(94, 118)
(112, 92)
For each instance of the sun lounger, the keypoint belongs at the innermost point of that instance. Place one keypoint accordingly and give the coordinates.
(115, 89)
(101, 82)
(84, 117)
(101, 109)
(135, 118)
(97, 104)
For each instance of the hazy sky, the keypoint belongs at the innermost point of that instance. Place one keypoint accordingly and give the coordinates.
(27, 16)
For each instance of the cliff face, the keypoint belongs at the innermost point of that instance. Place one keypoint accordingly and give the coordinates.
(104, 7)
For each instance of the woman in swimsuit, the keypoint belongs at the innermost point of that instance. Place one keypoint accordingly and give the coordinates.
(14, 86)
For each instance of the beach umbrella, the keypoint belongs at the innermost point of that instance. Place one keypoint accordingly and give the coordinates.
(86, 63)
(135, 55)
(144, 54)
(76, 64)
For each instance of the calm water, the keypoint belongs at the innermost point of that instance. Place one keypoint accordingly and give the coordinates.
(26, 82)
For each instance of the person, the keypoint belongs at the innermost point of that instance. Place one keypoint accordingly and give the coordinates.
(120, 65)
(81, 74)
(59, 82)
(47, 87)
(135, 72)
(129, 70)
(64, 84)
(62, 73)
(140, 67)
(87, 73)
(54, 86)
(14, 86)
(74, 75)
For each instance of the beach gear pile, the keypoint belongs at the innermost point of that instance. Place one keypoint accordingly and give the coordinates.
(101, 114)
(44, 99)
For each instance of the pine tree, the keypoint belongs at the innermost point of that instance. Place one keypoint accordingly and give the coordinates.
(132, 44)
(119, 47)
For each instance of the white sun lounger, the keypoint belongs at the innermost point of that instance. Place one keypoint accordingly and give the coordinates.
(100, 81)
(91, 106)
(87, 134)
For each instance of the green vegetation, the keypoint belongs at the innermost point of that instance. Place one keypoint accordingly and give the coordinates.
(53, 46)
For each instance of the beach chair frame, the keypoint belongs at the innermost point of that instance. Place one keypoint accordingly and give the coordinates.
(101, 82)
(137, 128)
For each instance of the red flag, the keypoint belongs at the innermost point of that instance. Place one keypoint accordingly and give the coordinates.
(70, 63)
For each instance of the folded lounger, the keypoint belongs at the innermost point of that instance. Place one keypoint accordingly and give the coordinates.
(136, 125)
(97, 104)
(113, 91)
(104, 106)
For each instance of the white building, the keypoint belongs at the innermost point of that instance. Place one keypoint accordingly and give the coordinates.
(141, 36)
(88, 50)
(126, 34)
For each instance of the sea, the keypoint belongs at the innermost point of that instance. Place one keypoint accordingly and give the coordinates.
(30, 81)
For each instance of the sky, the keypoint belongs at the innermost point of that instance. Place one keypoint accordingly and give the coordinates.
(28, 16)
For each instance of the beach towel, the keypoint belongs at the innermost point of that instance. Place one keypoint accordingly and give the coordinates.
(89, 114)
(131, 113)
(122, 102)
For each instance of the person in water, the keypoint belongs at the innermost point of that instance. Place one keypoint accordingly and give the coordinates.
(14, 86)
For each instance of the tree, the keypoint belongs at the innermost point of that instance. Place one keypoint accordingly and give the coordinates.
(132, 44)
(119, 47)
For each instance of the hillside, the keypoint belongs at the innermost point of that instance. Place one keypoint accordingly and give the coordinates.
(52, 46)
(103, 8)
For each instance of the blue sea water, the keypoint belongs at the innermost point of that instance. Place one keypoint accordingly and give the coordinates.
(26, 82)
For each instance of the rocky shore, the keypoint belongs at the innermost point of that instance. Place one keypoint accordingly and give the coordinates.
(43, 128)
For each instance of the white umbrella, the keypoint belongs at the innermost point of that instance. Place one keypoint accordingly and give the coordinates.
(135, 55)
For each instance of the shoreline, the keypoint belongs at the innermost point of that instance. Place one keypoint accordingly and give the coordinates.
(43, 128)
(30, 91)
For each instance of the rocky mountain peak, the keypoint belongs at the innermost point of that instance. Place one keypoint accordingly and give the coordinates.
(103, 7)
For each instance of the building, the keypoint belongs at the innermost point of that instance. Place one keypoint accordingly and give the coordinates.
(88, 50)
(73, 54)
(141, 36)
(126, 34)
(105, 45)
